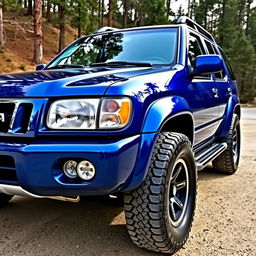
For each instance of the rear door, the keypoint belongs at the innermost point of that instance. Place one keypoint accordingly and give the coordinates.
(222, 82)
(226, 84)
(202, 95)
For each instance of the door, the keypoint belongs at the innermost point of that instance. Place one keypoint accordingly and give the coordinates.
(202, 96)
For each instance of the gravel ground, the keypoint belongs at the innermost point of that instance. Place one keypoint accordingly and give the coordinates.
(225, 222)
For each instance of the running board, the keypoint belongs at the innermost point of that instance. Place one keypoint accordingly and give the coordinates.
(209, 154)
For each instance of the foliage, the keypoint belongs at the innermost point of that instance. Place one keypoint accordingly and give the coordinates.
(12, 4)
(232, 23)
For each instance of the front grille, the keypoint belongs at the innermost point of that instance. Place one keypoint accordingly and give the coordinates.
(15, 117)
(7, 170)
(6, 113)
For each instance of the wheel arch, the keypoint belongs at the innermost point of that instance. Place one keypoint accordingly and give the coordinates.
(170, 114)
(233, 107)
(237, 110)
(160, 118)
(182, 123)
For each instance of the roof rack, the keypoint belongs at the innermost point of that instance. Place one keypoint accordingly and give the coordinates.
(194, 25)
(105, 29)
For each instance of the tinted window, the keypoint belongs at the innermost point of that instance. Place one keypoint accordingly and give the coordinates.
(195, 49)
(210, 47)
(227, 64)
(212, 50)
(156, 46)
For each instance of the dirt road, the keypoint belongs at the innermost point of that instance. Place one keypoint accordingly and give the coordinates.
(225, 222)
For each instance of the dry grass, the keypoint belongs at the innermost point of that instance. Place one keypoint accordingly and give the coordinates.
(17, 55)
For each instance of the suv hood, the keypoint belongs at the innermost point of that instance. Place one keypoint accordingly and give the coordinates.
(67, 82)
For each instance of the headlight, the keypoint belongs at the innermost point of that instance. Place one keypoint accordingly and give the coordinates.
(82, 114)
(115, 113)
(73, 114)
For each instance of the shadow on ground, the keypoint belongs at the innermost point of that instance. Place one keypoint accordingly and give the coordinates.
(94, 226)
(48, 227)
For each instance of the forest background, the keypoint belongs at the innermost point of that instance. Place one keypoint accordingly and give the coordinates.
(33, 31)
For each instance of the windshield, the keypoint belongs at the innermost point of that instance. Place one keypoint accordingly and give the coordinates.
(155, 46)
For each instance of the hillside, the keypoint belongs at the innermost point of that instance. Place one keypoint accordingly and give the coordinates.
(17, 54)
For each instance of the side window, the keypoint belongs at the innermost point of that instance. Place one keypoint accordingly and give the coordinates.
(227, 64)
(210, 47)
(195, 48)
(212, 50)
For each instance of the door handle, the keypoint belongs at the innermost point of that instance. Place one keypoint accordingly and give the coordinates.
(230, 91)
(215, 92)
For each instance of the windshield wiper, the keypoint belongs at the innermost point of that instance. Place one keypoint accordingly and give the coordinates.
(120, 64)
(66, 66)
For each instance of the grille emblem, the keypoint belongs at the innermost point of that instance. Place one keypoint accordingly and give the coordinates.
(2, 117)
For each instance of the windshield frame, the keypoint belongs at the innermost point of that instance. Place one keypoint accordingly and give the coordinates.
(176, 54)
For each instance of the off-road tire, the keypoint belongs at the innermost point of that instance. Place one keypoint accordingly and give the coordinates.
(146, 208)
(225, 162)
(4, 199)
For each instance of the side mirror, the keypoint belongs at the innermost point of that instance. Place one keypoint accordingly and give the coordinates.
(40, 67)
(208, 64)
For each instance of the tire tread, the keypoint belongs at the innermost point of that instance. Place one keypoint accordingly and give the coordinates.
(151, 233)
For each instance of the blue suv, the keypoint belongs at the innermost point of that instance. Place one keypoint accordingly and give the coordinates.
(131, 112)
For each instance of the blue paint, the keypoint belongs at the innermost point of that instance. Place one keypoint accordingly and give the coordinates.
(121, 157)
(208, 64)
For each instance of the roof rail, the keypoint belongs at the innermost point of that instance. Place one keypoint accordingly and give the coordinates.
(105, 29)
(194, 25)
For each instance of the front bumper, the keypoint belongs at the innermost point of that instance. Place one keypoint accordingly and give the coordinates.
(121, 165)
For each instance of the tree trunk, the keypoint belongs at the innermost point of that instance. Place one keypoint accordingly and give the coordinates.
(62, 28)
(1, 25)
(48, 11)
(43, 9)
(240, 14)
(125, 13)
(99, 13)
(54, 8)
(79, 29)
(248, 11)
(30, 8)
(168, 7)
(110, 13)
(38, 41)
(222, 16)
(102, 13)
(205, 17)
(189, 9)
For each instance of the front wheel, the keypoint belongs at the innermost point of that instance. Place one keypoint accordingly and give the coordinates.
(160, 212)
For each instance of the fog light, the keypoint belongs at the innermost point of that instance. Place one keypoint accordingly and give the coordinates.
(85, 170)
(69, 169)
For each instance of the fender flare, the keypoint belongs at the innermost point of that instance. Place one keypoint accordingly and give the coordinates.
(156, 117)
(163, 110)
(233, 103)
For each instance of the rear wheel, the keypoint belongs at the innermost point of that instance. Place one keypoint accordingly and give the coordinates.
(228, 161)
(160, 212)
(4, 199)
